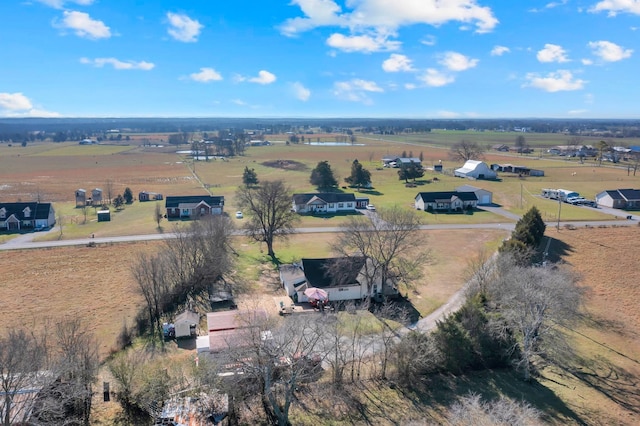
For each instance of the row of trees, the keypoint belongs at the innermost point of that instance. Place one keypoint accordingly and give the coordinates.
(47, 378)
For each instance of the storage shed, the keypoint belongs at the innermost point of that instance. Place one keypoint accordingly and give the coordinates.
(186, 324)
(104, 215)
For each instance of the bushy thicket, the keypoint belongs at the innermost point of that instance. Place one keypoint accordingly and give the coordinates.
(526, 236)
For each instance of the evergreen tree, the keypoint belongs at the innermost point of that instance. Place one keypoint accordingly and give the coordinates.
(128, 195)
(410, 171)
(322, 176)
(249, 176)
(359, 176)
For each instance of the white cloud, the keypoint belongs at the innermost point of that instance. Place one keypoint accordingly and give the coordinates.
(397, 63)
(589, 98)
(410, 86)
(552, 53)
(264, 77)
(561, 80)
(14, 101)
(586, 61)
(499, 50)
(118, 64)
(301, 92)
(609, 52)
(239, 102)
(355, 90)
(577, 111)
(183, 28)
(362, 43)
(613, 7)
(434, 78)
(455, 61)
(59, 4)
(83, 25)
(206, 75)
(384, 16)
(18, 105)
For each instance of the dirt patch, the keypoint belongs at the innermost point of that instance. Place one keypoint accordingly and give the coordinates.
(286, 165)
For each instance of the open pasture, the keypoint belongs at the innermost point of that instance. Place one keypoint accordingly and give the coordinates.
(55, 171)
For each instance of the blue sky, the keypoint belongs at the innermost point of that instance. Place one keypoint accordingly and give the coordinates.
(320, 58)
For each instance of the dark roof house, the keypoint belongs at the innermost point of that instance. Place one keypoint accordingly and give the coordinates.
(192, 206)
(323, 202)
(21, 216)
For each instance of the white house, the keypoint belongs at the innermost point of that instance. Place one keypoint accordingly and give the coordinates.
(619, 198)
(347, 278)
(447, 201)
(328, 202)
(475, 169)
(485, 198)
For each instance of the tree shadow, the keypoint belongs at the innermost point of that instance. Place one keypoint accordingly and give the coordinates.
(444, 390)
(402, 311)
(369, 192)
(557, 250)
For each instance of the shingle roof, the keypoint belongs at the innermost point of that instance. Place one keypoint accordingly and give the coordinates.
(328, 197)
(614, 194)
(630, 194)
(430, 197)
(175, 201)
(38, 210)
(332, 272)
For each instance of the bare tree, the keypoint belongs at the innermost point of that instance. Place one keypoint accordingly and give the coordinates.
(23, 370)
(534, 303)
(278, 358)
(521, 144)
(151, 275)
(108, 190)
(269, 210)
(466, 150)
(471, 410)
(392, 244)
(480, 270)
(158, 215)
(67, 400)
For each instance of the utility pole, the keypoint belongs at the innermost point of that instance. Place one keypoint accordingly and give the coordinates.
(559, 209)
(520, 195)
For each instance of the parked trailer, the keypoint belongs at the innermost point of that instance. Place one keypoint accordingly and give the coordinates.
(559, 194)
(550, 193)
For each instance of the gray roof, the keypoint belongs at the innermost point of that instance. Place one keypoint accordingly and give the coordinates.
(431, 197)
(328, 197)
(175, 201)
(630, 194)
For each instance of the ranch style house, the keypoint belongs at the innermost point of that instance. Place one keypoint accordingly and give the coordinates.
(447, 201)
(193, 206)
(627, 199)
(327, 202)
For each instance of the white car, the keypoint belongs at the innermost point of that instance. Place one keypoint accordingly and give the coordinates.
(371, 207)
(239, 215)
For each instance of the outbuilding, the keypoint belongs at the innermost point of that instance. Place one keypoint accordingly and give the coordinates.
(104, 215)
(186, 324)
(485, 198)
(475, 169)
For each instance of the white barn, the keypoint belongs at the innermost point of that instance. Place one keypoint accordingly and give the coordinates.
(475, 169)
(485, 198)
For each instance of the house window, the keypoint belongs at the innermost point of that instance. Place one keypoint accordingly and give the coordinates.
(27, 212)
(3, 213)
(203, 210)
(331, 205)
(349, 204)
(340, 205)
(185, 212)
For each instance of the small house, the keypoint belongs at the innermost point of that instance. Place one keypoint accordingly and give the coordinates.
(228, 328)
(186, 324)
(149, 196)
